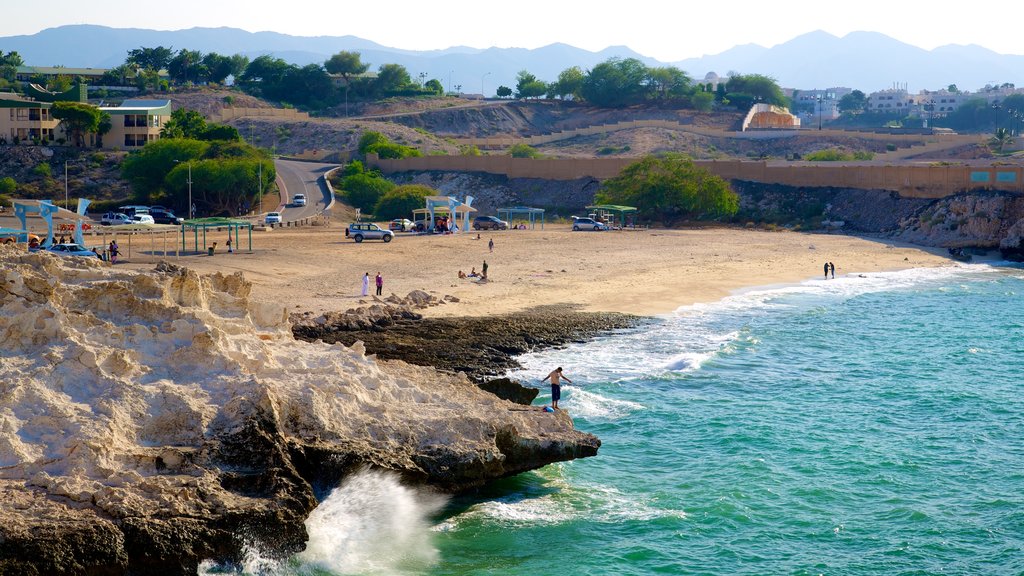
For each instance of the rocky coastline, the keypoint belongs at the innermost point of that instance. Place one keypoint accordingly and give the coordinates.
(150, 421)
(481, 347)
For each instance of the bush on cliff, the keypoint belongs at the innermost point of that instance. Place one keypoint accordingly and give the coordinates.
(670, 188)
(401, 201)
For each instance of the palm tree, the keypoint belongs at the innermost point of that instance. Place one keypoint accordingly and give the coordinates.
(1000, 140)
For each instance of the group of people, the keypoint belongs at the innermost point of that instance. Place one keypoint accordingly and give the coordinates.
(472, 274)
(379, 281)
(830, 267)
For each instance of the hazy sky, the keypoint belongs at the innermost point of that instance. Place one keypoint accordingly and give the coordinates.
(667, 30)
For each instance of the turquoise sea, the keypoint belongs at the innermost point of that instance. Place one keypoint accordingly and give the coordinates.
(871, 424)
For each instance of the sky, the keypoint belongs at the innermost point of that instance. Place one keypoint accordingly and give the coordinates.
(666, 30)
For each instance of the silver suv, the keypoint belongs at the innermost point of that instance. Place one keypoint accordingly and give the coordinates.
(367, 231)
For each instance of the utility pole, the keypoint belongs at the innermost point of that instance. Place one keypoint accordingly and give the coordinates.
(261, 187)
(65, 184)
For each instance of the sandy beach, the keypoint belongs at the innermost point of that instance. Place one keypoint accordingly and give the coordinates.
(646, 272)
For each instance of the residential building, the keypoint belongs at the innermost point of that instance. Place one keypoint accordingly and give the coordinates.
(135, 122)
(25, 121)
(896, 101)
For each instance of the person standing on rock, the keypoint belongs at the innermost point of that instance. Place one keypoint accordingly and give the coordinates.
(366, 284)
(380, 283)
(556, 377)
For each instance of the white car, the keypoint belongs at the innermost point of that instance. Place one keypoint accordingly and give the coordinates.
(272, 218)
(143, 219)
(588, 224)
(115, 218)
(299, 200)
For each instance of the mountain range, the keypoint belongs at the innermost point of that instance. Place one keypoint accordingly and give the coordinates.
(866, 61)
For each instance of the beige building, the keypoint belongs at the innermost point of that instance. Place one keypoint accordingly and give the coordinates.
(134, 123)
(26, 121)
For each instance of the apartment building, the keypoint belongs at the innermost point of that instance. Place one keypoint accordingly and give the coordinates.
(26, 121)
(135, 122)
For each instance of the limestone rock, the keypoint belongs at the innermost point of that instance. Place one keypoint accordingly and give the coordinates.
(149, 421)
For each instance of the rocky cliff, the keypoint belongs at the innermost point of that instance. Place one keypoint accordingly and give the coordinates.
(149, 421)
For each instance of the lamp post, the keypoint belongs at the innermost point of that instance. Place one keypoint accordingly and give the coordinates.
(65, 184)
(261, 187)
(820, 99)
(189, 207)
(482, 93)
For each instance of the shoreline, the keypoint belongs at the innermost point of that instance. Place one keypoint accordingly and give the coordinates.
(644, 273)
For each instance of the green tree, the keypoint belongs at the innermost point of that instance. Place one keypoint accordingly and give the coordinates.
(523, 151)
(569, 83)
(77, 119)
(503, 92)
(527, 85)
(150, 58)
(218, 68)
(616, 83)
(184, 123)
(703, 101)
(853, 103)
(757, 87)
(402, 200)
(7, 186)
(669, 82)
(364, 190)
(265, 76)
(1000, 140)
(434, 85)
(377, 143)
(670, 188)
(186, 66)
(346, 64)
(391, 78)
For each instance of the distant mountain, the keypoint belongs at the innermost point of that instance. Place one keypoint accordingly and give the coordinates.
(867, 61)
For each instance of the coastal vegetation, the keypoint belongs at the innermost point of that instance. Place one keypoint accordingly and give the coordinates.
(670, 188)
(221, 175)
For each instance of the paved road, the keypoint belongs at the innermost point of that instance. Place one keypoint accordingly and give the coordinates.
(297, 177)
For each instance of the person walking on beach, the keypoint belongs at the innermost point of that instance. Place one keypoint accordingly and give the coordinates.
(556, 377)
(366, 284)
(832, 267)
(380, 283)
(483, 272)
(490, 245)
(826, 270)
(114, 251)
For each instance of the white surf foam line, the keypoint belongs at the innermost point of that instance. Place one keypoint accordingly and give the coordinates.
(571, 501)
(582, 403)
(680, 344)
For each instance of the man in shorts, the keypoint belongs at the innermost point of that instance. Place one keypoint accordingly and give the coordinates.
(556, 377)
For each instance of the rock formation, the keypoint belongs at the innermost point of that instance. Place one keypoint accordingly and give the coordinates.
(149, 421)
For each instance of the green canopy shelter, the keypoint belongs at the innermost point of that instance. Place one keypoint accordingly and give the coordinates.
(612, 212)
(196, 225)
(528, 213)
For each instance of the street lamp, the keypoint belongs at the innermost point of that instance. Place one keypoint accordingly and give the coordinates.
(65, 184)
(820, 99)
(189, 207)
(482, 93)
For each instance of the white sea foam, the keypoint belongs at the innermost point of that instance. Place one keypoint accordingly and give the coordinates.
(570, 501)
(583, 403)
(680, 344)
(371, 524)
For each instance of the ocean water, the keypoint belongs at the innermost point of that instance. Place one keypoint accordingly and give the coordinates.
(864, 425)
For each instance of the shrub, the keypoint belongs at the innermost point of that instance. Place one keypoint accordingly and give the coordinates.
(43, 169)
(523, 151)
(364, 190)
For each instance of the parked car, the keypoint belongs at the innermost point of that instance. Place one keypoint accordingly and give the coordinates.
(133, 210)
(272, 218)
(489, 223)
(299, 200)
(115, 218)
(401, 225)
(165, 217)
(588, 224)
(12, 237)
(360, 231)
(72, 249)
(140, 218)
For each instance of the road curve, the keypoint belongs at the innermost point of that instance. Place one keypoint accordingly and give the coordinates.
(298, 177)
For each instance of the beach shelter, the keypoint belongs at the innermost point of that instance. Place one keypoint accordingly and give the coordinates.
(530, 214)
(610, 212)
(444, 205)
(48, 211)
(197, 225)
(149, 230)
